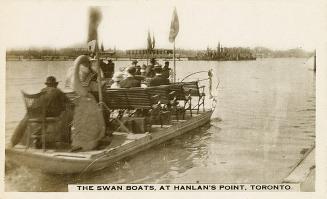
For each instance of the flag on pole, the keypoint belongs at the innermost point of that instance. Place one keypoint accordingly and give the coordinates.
(149, 42)
(95, 17)
(174, 27)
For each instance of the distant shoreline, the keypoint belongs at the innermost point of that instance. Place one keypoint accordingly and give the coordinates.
(184, 59)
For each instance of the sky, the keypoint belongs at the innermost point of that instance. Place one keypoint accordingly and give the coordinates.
(247, 23)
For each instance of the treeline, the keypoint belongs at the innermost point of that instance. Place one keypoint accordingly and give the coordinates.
(45, 53)
(219, 53)
(256, 52)
(295, 52)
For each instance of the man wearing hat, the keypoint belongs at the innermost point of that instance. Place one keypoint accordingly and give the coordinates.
(138, 67)
(57, 100)
(158, 79)
(130, 80)
(150, 68)
(134, 63)
(166, 70)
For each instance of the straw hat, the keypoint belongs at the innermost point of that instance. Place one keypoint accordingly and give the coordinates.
(118, 76)
(122, 68)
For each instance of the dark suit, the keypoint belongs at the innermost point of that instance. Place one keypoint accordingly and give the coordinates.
(107, 69)
(166, 72)
(149, 71)
(55, 100)
(158, 80)
(130, 82)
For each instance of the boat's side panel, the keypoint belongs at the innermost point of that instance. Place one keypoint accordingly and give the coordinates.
(46, 163)
(64, 164)
(151, 140)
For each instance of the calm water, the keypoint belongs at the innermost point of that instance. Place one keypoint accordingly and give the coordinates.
(263, 124)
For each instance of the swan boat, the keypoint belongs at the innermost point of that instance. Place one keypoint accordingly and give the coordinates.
(124, 143)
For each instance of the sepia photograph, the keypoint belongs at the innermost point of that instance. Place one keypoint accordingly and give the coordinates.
(194, 95)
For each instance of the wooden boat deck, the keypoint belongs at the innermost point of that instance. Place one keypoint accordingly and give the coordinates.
(123, 145)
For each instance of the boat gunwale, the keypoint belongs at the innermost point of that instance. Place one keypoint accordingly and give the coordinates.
(111, 156)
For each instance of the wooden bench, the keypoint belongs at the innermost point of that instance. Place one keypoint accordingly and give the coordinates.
(167, 98)
(182, 95)
(139, 100)
(195, 90)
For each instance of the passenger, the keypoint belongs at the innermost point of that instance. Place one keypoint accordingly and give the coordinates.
(166, 70)
(149, 71)
(107, 68)
(56, 99)
(55, 102)
(122, 69)
(143, 68)
(138, 70)
(138, 67)
(117, 78)
(150, 68)
(130, 80)
(158, 79)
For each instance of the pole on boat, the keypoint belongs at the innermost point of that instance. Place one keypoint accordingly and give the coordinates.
(94, 21)
(149, 47)
(314, 61)
(174, 28)
(97, 58)
(174, 57)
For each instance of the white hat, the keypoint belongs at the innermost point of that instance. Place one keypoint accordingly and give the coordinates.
(118, 76)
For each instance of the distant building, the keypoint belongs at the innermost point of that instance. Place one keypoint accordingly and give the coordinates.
(144, 53)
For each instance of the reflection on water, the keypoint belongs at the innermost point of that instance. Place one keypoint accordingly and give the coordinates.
(264, 119)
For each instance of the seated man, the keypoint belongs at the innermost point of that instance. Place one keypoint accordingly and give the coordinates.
(158, 79)
(149, 72)
(130, 80)
(55, 102)
(56, 99)
(166, 70)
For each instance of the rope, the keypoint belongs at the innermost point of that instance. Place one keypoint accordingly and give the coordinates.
(203, 71)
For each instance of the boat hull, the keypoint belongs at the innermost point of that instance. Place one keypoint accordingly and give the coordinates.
(78, 162)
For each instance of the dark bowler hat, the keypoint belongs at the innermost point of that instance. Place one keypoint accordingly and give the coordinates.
(135, 62)
(51, 80)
